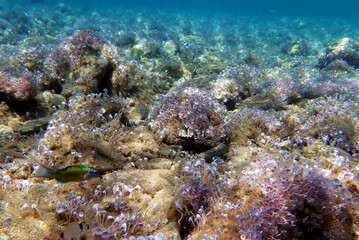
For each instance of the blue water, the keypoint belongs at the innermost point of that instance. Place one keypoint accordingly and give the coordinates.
(259, 26)
(331, 8)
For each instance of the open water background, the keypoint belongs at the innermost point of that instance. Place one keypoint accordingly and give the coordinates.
(330, 9)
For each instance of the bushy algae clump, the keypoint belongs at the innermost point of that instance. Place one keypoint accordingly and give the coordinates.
(191, 118)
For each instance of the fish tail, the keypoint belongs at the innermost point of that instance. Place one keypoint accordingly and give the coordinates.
(44, 172)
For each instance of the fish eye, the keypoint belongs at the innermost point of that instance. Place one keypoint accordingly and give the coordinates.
(92, 172)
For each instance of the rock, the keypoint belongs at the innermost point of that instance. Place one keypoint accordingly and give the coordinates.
(173, 69)
(126, 39)
(170, 47)
(295, 48)
(346, 49)
(82, 63)
(265, 101)
(17, 84)
(252, 59)
(218, 151)
(5, 130)
(339, 65)
(49, 99)
(33, 126)
(225, 90)
(14, 123)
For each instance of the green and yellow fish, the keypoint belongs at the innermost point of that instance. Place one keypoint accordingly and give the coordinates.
(73, 173)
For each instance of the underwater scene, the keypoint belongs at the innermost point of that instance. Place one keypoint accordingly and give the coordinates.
(178, 120)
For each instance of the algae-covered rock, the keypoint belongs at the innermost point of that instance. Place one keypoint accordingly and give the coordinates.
(33, 126)
(252, 59)
(84, 63)
(265, 101)
(51, 101)
(225, 90)
(5, 130)
(209, 63)
(126, 39)
(297, 47)
(173, 68)
(17, 84)
(339, 65)
(346, 49)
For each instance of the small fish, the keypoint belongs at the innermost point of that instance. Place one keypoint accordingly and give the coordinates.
(75, 231)
(73, 173)
(273, 10)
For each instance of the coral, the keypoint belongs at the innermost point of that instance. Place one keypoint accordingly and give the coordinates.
(189, 117)
(17, 83)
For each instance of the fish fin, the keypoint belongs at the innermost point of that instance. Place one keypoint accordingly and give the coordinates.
(44, 172)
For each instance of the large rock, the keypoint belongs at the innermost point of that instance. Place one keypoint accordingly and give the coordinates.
(346, 49)
(17, 83)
